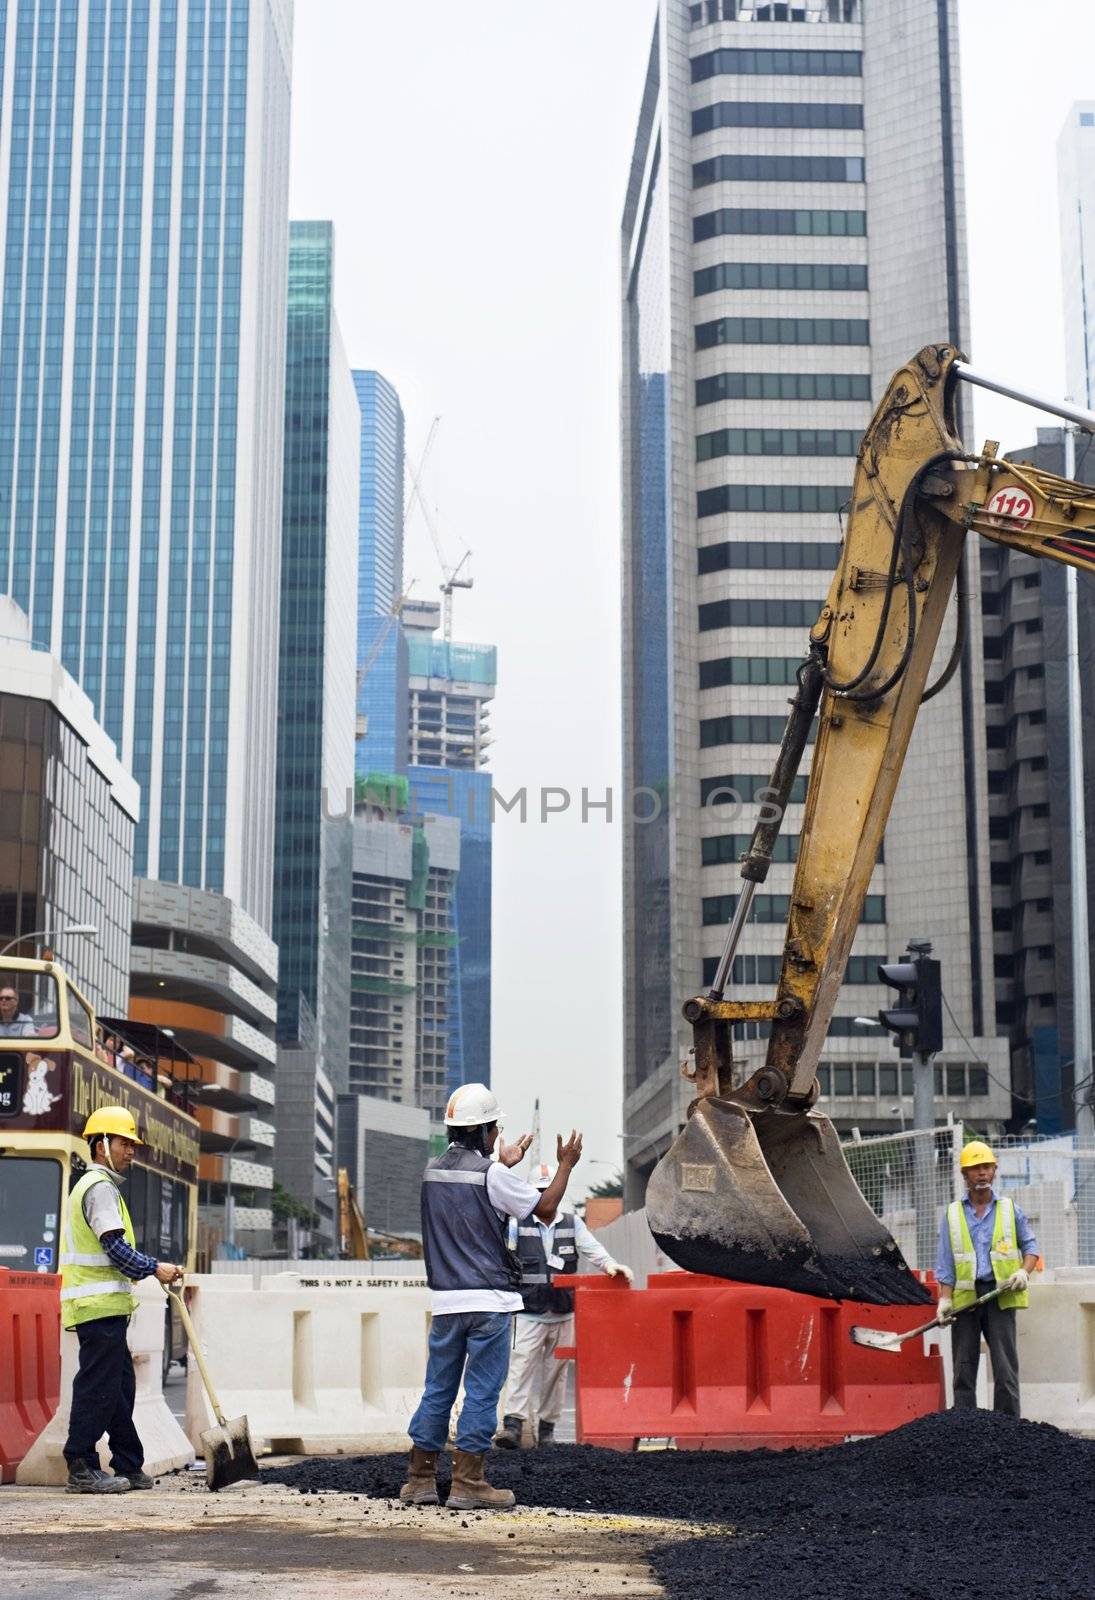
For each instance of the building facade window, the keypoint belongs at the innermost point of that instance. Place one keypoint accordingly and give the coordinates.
(758, 613)
(783, 386)
(719, 908)
(726, 849)
(764, 221)
(760, 497)
(777, 169)
(745, 729)
(750, 788)
(782, 330)
(775, 114)
(748, 669)
(826, 276)
(774, 555)
(777, 442)
(777, 63)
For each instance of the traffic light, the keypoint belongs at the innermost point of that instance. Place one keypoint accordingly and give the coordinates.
(917, 1019)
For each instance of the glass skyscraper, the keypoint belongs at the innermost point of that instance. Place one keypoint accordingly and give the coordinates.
(315, 765)
(381, 647)
(143, 203)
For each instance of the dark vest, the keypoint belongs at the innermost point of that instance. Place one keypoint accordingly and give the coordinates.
(463, 1237)
(537, 1291)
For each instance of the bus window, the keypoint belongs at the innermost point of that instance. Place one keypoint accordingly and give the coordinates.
(30, 1205)
(79, 1021)
(28, 1006)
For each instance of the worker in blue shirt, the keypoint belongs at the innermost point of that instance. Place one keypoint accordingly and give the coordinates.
(985, 1243)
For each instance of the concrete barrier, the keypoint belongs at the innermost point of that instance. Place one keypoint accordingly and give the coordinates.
(317, 1365)
(166, 1447)
(1057, 1352)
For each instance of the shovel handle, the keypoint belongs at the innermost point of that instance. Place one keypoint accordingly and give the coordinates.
(935, 1323)
(192, 1338)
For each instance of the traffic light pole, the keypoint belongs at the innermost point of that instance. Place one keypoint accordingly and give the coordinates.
(924, 1156)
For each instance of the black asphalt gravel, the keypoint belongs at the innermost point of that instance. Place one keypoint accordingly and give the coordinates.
(956, 1504)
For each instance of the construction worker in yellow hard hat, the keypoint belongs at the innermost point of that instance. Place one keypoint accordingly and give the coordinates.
(99, 1261)
(985, 1244)
(473, 1279)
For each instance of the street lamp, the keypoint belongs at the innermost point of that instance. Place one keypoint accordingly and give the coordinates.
(43, 933)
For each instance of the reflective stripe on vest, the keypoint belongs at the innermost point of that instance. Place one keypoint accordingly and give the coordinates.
(90, 1285)
(1004, 1255)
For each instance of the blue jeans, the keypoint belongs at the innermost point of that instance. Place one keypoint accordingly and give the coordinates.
(474, 1344)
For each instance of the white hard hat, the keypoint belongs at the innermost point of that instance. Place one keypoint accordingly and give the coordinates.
(541, 1175)
(470, 1106)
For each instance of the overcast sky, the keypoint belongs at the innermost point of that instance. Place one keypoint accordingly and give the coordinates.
(473, 157)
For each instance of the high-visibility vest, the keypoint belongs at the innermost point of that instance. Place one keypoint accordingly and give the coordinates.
(1004, 1253)
(91, 1286)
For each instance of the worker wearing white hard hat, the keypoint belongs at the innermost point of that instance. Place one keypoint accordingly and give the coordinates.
(474, 1283)
(986, 1247)
(537, 1381)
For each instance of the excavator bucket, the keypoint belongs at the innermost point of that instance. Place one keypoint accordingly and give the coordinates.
(766, 1196)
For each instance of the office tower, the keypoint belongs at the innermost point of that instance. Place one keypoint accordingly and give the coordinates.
(203, 1004)
(404, 981)
(451, 686)
(1026, 702)
(68, 812)
(381, 743)
(793, 231)
(315, 766)
(144, 156)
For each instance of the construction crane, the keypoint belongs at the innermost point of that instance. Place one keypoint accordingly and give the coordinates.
(451, 574)
(353, 1242)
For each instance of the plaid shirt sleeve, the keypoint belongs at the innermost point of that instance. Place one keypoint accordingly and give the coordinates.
(132, 1262)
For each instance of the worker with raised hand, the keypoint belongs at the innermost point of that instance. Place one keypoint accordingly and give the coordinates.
(99, 1261)
(984, 1241)
(473, 1278)
(546, 1246)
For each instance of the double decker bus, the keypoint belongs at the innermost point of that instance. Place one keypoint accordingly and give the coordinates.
(54, 1072)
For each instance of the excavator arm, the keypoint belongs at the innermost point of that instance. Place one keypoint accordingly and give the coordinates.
(756, 1186)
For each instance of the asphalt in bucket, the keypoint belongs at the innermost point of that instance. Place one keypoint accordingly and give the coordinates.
(955, 1504)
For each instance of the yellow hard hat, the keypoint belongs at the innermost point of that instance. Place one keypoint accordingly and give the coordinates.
(976, 1154)
(112, 1120)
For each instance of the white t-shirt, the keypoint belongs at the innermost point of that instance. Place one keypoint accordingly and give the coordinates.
(510, 1196)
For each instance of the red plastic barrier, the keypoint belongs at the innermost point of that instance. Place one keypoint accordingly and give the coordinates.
(731, 1366)
(30, 1361)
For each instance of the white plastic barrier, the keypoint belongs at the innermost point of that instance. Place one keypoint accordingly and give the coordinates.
(1057, 1352)
(166, 1446)
(317, 1366)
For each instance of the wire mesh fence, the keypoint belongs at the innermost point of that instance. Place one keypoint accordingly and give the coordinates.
(1053, 1180)
(1050, 1178)
(896, 1170)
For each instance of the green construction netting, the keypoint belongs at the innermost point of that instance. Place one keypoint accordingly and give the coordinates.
(385, 789)
(420, 871)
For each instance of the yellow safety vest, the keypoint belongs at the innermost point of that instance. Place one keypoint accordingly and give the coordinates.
(91, 1286)
(1004, 1253)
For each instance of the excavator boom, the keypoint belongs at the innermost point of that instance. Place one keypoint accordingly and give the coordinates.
(756, 1187)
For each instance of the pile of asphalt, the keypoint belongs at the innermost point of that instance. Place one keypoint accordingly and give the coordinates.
(955, 1504)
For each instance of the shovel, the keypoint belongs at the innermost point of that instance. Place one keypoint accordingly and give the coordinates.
(229, 1455)
(879, 1339)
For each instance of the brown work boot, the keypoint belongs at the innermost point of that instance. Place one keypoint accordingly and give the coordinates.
(420, 1488)
(470, 1490)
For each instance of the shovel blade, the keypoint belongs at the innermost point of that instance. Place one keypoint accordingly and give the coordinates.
(229, 1454)
(767, 1197)
(877, 1339)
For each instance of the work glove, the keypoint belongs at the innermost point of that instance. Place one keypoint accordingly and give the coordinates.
(1019, 1280)
(616, 1269)
(943, 1312)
